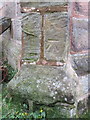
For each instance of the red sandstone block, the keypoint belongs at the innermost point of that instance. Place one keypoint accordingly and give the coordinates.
(80, 40)
(81, 8)
(80, 23)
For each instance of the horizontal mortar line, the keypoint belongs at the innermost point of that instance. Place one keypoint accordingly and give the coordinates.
(45, 9)
(53, 41)
(80, 52)
(78, 15)
(81, 19)
(83, 57)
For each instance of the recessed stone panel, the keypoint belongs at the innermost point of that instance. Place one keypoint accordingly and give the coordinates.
(32, 31)
(55, 35)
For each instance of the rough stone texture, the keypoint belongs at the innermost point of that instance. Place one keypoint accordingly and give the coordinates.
(81, 8)
(49, 84)
(11, 49)
(45, 84)
(80, 23)
(82, 106)
(32, 28)
(53, 40)
(55, 35)
(42, 4)
(0, 101)
(80, 47)
(12, 40)
(80, 35)
(80, 63)
(83, 89)
(0, 50)
(58, 111)
(84, 84)
(5, 37)
(5, 23)
(11, 9)
(78, 13)
(17, 29)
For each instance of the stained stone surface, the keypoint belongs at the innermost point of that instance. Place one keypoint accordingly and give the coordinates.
(32, 25)
(10, 9)
(80, 62)
(80, 23)
(80, 41)
(84, 82)
(0, 50)
(81, 8)
(55, 35)
(11, 49)
(42, 4)
(80, 35)
(0, 101)
(82, 91)
(45, 84)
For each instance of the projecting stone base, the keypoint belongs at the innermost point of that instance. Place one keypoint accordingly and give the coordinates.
(46, 85)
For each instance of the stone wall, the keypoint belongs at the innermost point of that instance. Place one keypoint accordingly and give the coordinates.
(47, 41)
(12, 37)
(13, 42)
(78, 13)
(50, 43)
(46, 67)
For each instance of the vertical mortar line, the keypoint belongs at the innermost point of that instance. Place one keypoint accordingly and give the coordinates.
(22, 49)
(42, 38)
(71, 27)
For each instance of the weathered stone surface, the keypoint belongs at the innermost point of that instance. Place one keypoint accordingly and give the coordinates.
(80, 23)
(83, 94)
(81, 8)
(58, 111)
(82, 69)
(80, 63)
(80, 45)
(4, 24)
(82, 107)
(11, 49)
(80, 41)
(0, 101)
(42, 4)
(11, 9)
(45, 84)
(55, 35)
(83, 86)
(16, 29)
(11, 40)
(1, 50)
(32, 28)
(5, 37)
